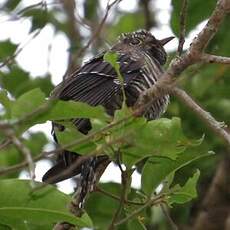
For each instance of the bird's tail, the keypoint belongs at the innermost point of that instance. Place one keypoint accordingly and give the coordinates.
(71, 164)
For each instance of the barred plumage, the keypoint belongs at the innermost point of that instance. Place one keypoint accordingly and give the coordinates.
(140, 56)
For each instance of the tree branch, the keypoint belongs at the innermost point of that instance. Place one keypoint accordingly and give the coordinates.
(209, 58)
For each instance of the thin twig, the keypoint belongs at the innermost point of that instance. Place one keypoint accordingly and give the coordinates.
(209, 58)
(183, 15)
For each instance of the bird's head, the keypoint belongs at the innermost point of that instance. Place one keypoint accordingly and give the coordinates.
(144, 41)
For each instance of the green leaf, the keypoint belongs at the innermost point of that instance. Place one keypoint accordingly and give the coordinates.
(101, 208)
(40, 17)
(58, 110)
(72, 109)
(27, 103)
(46, 204)
(14, 80)
(11, 4)
(6, 49)
(17, 82)
(112, 58)
(157, 168)
(5, 101)
(162, 137)
(35, 102)
(185, 193)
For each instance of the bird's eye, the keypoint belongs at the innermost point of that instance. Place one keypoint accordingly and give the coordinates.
(135, 41)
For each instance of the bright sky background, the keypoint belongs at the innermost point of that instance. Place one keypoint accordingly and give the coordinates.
(48, 53)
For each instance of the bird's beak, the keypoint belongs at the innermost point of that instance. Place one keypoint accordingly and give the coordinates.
(165, 40)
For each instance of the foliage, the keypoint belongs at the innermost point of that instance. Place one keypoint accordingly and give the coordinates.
(24, 207)
(167, 152)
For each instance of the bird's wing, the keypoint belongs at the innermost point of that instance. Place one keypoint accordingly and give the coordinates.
(96, 81)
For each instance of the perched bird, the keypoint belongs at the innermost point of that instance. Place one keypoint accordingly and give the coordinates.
(140, 56)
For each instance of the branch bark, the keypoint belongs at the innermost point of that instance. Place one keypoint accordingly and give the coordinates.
(209, 58)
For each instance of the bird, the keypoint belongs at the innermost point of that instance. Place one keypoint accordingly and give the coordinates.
(140, 57)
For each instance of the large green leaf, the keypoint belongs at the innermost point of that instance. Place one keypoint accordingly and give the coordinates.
(72, 109)
(31, 101)
(157, 169)
(185, 193)
(101, 208)
(163, 137)
(47, 204)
